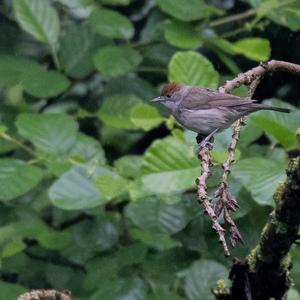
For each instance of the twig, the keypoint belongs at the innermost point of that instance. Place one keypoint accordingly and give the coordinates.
(227, 201)
(206, 201)
(46, 295)
(229, 19)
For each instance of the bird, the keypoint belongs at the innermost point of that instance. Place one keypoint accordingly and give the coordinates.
(206, 111)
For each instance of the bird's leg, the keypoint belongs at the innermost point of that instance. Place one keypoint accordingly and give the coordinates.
(202, 140)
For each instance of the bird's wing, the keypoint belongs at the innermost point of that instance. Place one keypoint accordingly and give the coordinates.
(200, 98)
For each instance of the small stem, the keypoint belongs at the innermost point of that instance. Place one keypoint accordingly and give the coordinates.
(17, 143)
(234, 32)
(232, 18)
(152, 70)
(55, 58)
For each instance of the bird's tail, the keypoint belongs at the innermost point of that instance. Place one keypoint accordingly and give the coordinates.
(258, 106)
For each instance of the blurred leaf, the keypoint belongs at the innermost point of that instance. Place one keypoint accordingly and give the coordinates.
(164, 294)
(17, 178)
(121, 289)
(152, 214)
(293, 294)
(111, 186)
(39, 19)
(115, 61)
(76, 50)
(250, 133)
(87, 149)
(139, 87)
(42, 83)
(260, 177)
(116, 2)
(169, 166)
(10, 290)
(158, 241)
(257, 49)
(53, 133)
(281, 12)
(182, 35)
(129, 166)
(75, 190)
(145, 116)
(111, 24)
(192, 68)
(115, 111)
(35, 79)
(184, 10)
(13, 247)
(209, 272)
(96, 236)
(280, 126)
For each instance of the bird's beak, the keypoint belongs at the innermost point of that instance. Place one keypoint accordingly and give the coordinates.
(158, 99)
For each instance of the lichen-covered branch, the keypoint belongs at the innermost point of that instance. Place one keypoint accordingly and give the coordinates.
(265, 272)
(46, 295)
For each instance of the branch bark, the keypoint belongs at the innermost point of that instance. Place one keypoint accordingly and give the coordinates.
(46, 295)
(264, 274)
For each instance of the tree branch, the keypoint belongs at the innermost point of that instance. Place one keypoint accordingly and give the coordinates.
(46, 295)
(226, 202)
(265, 272)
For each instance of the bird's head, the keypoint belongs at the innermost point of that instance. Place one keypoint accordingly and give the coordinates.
(171, 95)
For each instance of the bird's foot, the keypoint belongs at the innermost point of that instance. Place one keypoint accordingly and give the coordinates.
(205, 140)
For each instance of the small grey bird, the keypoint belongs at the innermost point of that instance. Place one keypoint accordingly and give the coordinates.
(206, 111)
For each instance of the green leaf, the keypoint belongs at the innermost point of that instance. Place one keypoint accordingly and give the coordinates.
(169, 166)
(192, 68)
(76, 50)
(115, 61)
(52, 133)
(152, 214)
(129, 166)
(145, 116)
(111, 24)
(39, 19)
(13, 247)
(87, 149)
(35, 79)
(184, 10)
(42, 83)
(182, 35)
(17, 178)
(281, 12)
(75, 190)
(10, 290)
(293, 294)
(201, 277)
(116, 110)
(257, 49)
(158, 241)
(121, 289)
(281, 126)
(260, 177)
(111, 186)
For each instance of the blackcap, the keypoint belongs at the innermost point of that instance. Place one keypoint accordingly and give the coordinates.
(207, 111)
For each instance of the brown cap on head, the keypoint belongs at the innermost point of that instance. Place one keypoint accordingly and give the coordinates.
(170, 88)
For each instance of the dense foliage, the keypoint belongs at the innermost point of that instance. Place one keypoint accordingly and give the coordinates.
(97, 186)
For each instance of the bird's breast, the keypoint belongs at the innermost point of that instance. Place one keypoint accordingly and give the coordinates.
(205, 121)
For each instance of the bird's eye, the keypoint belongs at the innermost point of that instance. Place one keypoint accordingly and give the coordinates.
(168, 96)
